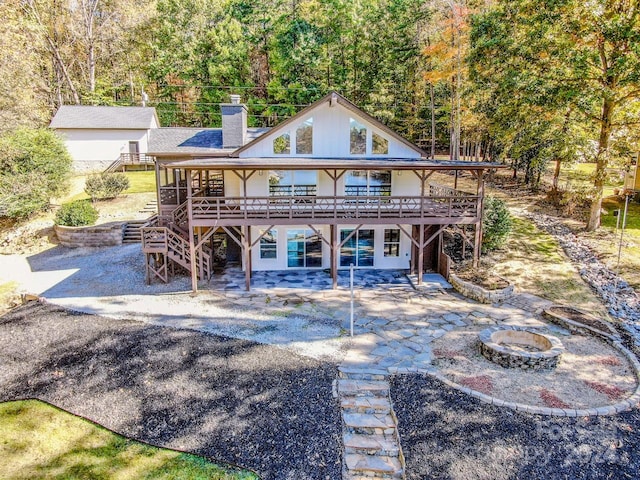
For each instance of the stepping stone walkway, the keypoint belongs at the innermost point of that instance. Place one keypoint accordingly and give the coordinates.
(370, 431)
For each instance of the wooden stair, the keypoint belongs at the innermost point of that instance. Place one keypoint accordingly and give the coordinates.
(150, 208)
(164, 247)
(132, 232)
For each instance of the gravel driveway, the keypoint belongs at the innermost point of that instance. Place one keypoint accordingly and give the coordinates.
(446, 434)
(232, 400)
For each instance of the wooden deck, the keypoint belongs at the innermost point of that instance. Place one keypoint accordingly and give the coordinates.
(207, 211)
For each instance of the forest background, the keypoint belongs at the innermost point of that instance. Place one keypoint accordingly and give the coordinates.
(520, 81)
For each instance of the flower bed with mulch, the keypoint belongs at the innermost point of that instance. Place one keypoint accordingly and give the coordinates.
(591, 373)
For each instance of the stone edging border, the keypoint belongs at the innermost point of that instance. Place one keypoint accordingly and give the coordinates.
(478, 293)
(622, 406)
(574, 326)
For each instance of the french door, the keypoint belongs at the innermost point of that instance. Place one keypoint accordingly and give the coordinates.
(359, 249)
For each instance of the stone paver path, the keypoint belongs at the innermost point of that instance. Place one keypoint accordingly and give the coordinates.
(370, 430)
(394, 328)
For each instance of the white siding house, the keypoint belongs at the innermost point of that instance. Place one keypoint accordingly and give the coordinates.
(96, 137)
(326, 188)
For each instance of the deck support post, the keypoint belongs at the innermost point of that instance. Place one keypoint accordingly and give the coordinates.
(246, 248)
(335, 254)
(192, 243)
(478, 233)
(421, 254)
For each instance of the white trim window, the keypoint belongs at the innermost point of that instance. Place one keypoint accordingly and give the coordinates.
(367, 183)
(304, 249)
(380, 145)
(282, 144)
(304, 138)
(358, 249)
(391, 245)
(288, 183)
(357, 138)
(269, 244)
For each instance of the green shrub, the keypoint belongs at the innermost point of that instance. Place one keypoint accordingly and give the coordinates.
(496, 224)
(34, 167)
(77, 214)
(106, 185)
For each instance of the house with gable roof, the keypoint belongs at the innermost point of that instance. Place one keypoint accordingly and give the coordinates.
(328, 188)
(100, 137)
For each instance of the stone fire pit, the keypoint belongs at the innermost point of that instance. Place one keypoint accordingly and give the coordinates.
(518, 347)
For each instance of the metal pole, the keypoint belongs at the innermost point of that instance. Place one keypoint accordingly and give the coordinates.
(352, 297)
(624, 222)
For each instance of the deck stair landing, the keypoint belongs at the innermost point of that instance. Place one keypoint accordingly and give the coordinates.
(165, 248)
(370, 434)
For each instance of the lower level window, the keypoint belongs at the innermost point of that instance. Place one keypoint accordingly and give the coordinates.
(304, 248)
(391, 242)
(269, 244)
(358, 249)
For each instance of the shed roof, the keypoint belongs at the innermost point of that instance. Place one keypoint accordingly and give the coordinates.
(107, 118)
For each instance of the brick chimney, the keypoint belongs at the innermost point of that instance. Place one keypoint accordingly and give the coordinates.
(234, 123)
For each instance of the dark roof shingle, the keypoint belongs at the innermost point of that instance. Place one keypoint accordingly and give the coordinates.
(179, 140)
(100, 117)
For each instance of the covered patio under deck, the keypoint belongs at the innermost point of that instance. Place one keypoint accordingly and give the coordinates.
(233, 279)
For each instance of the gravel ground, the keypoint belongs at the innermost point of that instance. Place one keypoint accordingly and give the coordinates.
(110, 282)
(446, 434)
(232, 400)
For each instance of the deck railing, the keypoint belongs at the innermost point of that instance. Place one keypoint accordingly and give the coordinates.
(334, 208)
(135, 159)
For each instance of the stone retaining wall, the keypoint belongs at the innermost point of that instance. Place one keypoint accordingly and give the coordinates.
(104, 235)
(476, 292)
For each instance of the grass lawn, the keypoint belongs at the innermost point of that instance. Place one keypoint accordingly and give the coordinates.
(39, 441)
(534, 262)
(139, 182)
(7, 295)
(606, 240)
(582, 174)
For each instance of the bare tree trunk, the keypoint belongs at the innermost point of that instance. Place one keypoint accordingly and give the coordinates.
(602, 159)
(89, 9)
(432, 106)
(454, 150)
(53, 48)
(556, 175)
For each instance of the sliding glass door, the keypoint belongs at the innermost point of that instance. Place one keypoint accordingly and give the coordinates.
(358, 249)
(304, 249)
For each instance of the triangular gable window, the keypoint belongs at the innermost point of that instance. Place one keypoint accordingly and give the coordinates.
(282, 144)
(380, 145)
